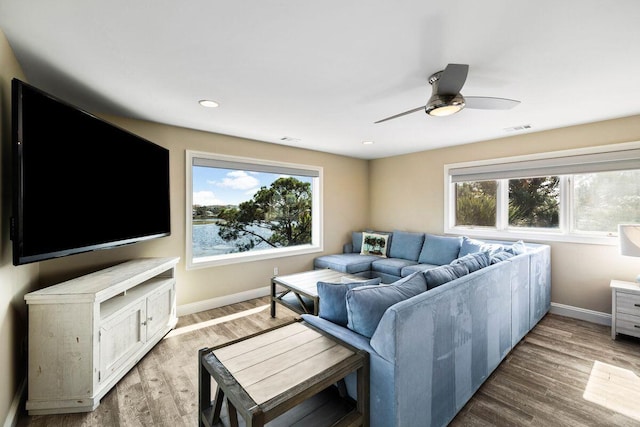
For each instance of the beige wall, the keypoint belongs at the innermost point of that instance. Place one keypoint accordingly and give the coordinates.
(14, 282)
(407, 192)
(345, 208)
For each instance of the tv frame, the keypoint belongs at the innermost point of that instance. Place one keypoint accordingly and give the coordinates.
(16, 230)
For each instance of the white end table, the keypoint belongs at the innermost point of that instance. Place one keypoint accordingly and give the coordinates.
(625, 308)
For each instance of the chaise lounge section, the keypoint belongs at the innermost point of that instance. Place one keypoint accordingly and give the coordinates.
(431, 351)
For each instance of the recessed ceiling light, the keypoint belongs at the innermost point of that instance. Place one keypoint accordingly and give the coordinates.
(208, 103)
(367, 142)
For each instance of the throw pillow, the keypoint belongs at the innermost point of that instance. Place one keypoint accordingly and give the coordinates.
(367, 304)
(374, 244)
(517, 248)
(470, 246)
(444, 274)
(474, 261)
(439, 250)
(333, 303)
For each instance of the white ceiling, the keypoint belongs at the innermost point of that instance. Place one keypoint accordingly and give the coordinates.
(324, 71)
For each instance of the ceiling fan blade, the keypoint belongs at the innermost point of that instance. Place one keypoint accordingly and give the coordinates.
(489, 103)
(452, 79)
(401, 114)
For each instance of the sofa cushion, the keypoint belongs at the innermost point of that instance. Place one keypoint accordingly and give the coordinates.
(443, 274)
(410, 269)
(406, 245)
(374, 244)
(333, 299)
(391, 266)
(439, 250)
(345, 263)
(474, 261)
(367, 304)
(356, 241)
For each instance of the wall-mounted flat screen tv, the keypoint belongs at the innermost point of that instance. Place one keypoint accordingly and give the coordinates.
(80, 183)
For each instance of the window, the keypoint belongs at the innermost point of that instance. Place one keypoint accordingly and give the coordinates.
(576, 195)
(476, 203)
(534, 202)
(241, 209)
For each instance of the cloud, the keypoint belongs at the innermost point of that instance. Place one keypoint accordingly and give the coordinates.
(206, 198)
(239, 180)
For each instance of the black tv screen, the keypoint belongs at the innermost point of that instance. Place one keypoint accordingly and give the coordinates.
(80, 183)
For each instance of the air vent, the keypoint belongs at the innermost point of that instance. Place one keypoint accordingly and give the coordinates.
(290, 139)
(517, 128)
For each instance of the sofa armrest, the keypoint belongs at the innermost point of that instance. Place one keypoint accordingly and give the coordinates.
(347, 335)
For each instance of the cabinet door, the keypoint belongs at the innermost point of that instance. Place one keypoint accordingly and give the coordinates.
(160, 311)
(121, 337)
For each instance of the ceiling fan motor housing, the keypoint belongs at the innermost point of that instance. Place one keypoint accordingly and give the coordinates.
(441, 104)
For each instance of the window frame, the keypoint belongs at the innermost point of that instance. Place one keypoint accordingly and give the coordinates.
(254, 255)
(502, 230)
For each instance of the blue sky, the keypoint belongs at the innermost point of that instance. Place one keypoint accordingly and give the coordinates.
(213, 186)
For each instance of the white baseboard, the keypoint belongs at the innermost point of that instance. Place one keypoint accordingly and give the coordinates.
(581, 313)
(199, 306)
(14, 409)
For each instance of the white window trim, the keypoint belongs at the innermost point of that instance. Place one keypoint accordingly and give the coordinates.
(543, 235)
(317, 216)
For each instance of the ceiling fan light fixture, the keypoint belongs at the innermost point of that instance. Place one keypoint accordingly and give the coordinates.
(441, 106)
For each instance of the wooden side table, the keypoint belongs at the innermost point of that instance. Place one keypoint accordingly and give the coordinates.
(265, 375)
(625, 308)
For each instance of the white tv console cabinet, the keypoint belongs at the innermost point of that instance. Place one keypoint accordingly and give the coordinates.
(85, 334)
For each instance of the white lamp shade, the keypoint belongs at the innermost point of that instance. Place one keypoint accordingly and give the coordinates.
(629, 239)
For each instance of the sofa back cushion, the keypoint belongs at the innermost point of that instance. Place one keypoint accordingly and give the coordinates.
(406, 245)
(444, 274)
(439, 250)
(474, 261)
(500, 256)
(367, 304)
(333, 299)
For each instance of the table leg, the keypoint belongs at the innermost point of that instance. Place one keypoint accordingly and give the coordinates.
(233, 415)
(363, 392)
(273, 299)
(218, 405)
(204, 389)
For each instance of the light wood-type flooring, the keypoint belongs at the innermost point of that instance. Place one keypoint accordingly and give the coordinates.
(565, 372)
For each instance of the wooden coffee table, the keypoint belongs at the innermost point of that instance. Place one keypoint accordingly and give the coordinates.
(303, 285)
(267, 374)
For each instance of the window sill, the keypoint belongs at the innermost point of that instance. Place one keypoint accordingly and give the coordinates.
(533, 236)
(235, 258)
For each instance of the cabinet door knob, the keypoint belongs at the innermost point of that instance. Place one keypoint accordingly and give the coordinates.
(144, 323)
(150, 318)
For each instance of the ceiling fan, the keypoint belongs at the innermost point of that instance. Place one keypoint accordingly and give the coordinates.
(446, 98)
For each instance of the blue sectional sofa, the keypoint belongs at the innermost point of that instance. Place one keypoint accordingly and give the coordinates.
(433, 341)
